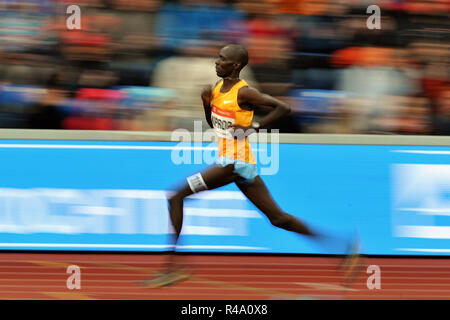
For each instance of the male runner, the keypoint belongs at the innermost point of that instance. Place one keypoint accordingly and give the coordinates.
(229, 108)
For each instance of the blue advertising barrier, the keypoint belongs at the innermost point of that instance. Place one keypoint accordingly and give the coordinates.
(111, 196)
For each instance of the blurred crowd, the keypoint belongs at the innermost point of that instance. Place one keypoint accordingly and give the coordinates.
(141, 64)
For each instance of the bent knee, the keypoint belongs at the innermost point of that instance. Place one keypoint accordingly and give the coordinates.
(176, 197)
(281, 220)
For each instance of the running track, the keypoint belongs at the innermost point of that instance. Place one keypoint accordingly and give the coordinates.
(115, 276)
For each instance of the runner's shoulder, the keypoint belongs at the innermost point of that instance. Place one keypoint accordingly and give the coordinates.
(248, 92)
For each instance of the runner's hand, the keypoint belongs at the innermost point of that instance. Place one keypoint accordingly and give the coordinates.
(240, 132)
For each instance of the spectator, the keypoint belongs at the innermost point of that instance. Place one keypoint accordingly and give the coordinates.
(299, 50)
(136, 46)
(269, 43)
(442, 116)
(181, 23)
(373, 76)
(45, 113)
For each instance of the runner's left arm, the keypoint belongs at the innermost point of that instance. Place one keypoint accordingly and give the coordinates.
(252, 98)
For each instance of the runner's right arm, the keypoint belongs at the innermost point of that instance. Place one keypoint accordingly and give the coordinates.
(206, 98)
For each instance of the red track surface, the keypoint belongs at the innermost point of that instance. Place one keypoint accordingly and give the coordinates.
(116, 276)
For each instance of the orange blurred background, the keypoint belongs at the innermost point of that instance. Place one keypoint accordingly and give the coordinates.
(141, 64)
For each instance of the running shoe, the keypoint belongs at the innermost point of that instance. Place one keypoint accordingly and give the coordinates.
(166, 279)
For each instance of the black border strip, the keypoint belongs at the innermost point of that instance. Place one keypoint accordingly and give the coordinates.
(256, 254)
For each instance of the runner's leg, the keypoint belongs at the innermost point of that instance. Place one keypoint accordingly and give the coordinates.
(212, 178)
(260, 196)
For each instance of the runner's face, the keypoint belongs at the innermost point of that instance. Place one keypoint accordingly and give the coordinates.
(224, 65)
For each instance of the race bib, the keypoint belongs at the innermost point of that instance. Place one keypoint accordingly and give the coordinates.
(222, 120)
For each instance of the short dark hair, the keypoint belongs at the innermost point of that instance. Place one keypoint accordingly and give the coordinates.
(240, 54)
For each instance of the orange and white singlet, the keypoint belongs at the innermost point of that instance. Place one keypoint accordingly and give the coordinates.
(226, 112)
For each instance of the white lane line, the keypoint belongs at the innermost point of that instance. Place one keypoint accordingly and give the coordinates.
(107, 147)
(423, 151)
(125, 246)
